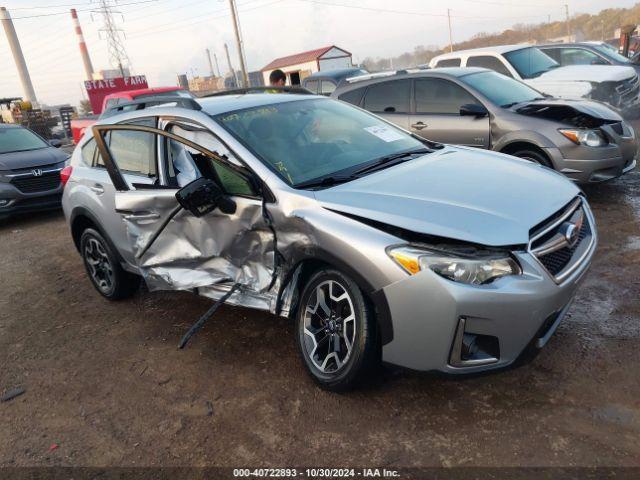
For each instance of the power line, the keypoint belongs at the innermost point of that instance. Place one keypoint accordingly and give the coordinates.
(51, 14)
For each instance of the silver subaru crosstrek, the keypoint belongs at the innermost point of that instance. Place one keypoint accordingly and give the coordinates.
(376, 242)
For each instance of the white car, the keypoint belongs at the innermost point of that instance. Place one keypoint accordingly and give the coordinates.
(616, 85)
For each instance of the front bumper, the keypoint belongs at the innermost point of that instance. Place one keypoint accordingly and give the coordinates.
(517, 311)
(13, 201)
(592, 170)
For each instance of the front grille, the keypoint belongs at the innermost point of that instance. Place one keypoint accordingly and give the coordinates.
(557, 261)
(32, 184)
(557, 245)
(628, 90)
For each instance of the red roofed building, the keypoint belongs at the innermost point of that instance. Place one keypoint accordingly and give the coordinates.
(301, 65)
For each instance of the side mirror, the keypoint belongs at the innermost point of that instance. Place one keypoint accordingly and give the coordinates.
(203, 196)
(54, 142)
(473, 110)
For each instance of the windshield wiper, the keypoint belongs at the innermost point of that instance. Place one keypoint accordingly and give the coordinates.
(327, 181)
(387, 160)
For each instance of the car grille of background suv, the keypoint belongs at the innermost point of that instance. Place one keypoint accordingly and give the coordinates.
(32, 184)
(628, 90)
(549, 244)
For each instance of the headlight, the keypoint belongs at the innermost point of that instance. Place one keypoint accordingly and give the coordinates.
(590, 138)
(475, 270)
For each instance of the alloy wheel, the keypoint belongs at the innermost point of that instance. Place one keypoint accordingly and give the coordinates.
(329, 327)
(98, 264)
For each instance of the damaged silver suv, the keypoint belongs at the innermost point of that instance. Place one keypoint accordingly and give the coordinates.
(378, 243)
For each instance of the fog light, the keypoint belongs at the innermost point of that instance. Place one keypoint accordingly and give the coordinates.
(473, 349)
(3, 202)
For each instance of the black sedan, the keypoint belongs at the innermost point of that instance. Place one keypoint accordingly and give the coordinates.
(29, 171)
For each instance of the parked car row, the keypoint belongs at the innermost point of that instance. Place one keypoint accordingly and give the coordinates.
(476, 107)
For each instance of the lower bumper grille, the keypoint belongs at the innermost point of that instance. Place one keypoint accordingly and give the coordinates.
(32, 184)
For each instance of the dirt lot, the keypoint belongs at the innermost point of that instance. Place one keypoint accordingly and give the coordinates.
(106, 383)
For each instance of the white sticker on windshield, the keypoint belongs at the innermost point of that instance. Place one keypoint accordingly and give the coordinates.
(385, 133)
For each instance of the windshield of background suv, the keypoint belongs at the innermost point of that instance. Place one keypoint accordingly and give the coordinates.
(309, 139)
(501, 90)
(611, 52)
(530, 62)
(19, 140)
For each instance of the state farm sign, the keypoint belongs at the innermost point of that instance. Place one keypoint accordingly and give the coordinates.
(98, 89)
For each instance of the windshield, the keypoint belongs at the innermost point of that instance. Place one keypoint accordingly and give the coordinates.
(610, 52)
(530, 62)
(19, 140)
(311, 139)
(501, 90)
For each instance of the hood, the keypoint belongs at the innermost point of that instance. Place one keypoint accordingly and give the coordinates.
(589, 73)
(31, 158)
(578, 113)
(458, 193)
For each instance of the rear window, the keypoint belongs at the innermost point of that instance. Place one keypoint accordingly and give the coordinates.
(311, 85)
(448, 62)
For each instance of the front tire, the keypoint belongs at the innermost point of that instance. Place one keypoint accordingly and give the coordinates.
(104, 269)
(335, 329)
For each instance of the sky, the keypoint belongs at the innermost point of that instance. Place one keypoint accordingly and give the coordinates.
(166, 37)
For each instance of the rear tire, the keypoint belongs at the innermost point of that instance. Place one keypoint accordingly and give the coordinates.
(336, 331)
(104, 269)
(533, 156)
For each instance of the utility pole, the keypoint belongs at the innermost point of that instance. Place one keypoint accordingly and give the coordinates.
(117, 54)
(566, 11)
(210, 64)
(450, 36)
(215, 58)
(18, 57)
(233, 72)
(84, 53)
(549, 18)
(236, 27)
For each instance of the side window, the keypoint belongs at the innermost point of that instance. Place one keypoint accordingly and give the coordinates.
(553, 53)
(487, 61)
(388, 97)
(327, 87)
(580, 56)
(352, 96)
(312, 85)
(133, 151)
(185, 164)
(448, 62)
(438, 96)
(88, 153)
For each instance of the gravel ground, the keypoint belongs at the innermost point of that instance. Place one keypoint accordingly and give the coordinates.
(107, 386)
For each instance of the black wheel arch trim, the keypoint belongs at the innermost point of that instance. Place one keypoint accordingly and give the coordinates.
(377, 297)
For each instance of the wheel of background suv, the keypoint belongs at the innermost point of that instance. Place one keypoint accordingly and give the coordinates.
(533, 156)
(335, 330)
(104, 269)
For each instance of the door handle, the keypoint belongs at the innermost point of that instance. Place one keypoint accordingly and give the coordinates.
(419, 125)
(97, 188)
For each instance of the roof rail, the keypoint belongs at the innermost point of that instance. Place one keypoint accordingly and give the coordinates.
(369, 76)
(143, 103)
(269, 89)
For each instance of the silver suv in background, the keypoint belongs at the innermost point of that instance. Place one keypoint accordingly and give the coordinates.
(585, 140)
(372, 240)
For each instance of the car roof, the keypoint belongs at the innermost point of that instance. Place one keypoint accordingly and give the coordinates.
(229, 103)
(142, 91)
(497, 49)
(412, 73)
